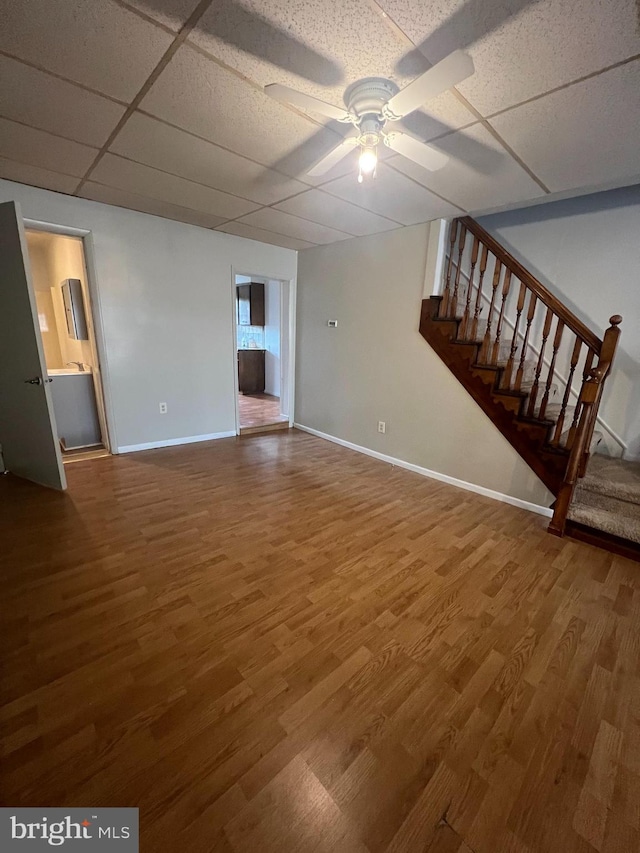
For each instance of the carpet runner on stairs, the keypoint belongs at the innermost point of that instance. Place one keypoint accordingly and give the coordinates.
(608, 497)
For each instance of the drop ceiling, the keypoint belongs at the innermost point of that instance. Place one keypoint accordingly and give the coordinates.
(157, 105)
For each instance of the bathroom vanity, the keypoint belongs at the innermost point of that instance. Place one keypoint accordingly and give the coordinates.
(74, 405)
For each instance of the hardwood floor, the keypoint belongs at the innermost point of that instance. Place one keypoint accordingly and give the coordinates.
(259, 410)
(276, 644)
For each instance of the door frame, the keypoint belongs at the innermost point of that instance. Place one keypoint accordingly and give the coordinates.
(291, 331)
(103, 386)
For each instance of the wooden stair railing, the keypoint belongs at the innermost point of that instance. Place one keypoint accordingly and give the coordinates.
(519, 351)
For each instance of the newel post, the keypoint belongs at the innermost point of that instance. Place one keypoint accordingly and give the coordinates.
(607, 355)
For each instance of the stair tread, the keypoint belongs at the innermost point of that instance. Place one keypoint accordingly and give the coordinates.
(598, 500)
(617, 478)
(605, 520)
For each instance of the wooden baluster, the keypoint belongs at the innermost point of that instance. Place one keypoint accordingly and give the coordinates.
(533, 394)
(464, 326)
(453, 233)
(505, 293)
(453, 307)
(533, 301)
(607, 356)
(556, 346)
(486, 343)
(575, 355)
(478, 305)
(588, 364)
(506, 378)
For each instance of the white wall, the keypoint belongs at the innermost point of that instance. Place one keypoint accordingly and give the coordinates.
(65, 260)
(44, 302)
(166, 300)
(272, 338)
(587, 251)
(375, 366)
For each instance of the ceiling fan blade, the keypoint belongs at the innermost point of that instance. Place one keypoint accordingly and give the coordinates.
(449, 72)
(333, 157)
(306, 102)
(421, 153)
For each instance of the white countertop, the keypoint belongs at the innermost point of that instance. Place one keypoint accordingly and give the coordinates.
(68, 371)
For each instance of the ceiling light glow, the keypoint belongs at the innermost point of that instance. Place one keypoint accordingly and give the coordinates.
(368, 160)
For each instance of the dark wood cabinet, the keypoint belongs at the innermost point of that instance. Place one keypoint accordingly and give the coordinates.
(251, 371)
(250, 304)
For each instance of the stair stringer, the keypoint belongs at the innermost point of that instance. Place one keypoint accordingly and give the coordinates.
(528, 437)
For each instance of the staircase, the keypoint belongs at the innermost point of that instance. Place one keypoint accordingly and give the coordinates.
(538, 372)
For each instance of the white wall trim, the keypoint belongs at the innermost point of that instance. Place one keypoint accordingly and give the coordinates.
(434, 475)
(53, 228)
(172, 442)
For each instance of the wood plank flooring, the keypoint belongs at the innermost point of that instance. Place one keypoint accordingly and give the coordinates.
(259, 410)
(276, 644)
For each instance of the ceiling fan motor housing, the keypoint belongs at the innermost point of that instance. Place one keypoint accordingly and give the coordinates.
(367, 97)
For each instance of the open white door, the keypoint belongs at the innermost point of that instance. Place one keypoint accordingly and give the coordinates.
(28, 433)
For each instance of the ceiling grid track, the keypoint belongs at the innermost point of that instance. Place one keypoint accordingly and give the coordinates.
(192, 20)
(517, 158)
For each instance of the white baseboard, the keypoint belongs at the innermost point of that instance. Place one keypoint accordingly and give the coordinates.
(434, 475)
(172, 442)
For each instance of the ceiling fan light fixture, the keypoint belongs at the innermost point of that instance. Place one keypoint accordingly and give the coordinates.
(368, 159)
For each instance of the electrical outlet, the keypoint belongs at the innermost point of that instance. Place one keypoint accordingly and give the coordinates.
(163, 408)
(382, 427)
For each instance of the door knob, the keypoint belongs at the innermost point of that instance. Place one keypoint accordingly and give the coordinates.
(37, 380)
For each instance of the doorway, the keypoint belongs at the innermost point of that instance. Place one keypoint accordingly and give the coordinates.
(262, 322)
(66, 324)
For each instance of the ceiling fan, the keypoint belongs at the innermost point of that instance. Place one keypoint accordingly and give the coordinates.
(373, 102)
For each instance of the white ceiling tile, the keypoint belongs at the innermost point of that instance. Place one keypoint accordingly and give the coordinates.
(171, 13)
(125, 175)
(239, 229)
(521, 48)
(144, 204)
(585, 135)
(292, 226)
(157, 144)
(480, 173)
(40, 100)
(97, 43)
(36, 177)
(195, 93)
(329, 210)
(316, 46)
(27, 145)
(393, 195)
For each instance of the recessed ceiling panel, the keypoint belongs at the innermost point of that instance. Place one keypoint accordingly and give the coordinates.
(125, 175)
(101, 45)
(157, 144)
(480, 173)
(521, 48)
(40, 100)
(393, 195)
(292, 226)
(36, 177)
(586, 135)
(239, 229)
(195, 93)
(329, 210)
(171, 13)
(27, 145)
(144, 204)
(316, 46)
